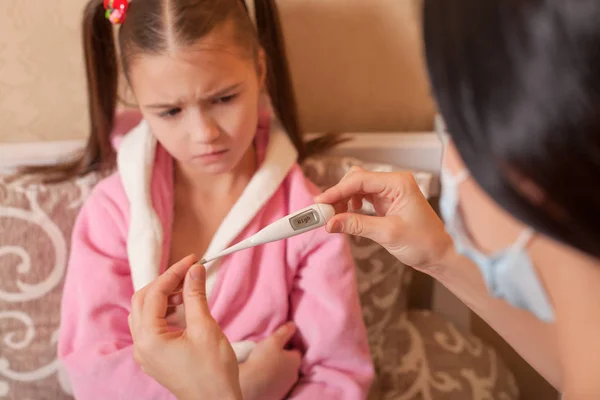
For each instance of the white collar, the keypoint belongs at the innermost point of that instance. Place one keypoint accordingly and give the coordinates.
(135, 162)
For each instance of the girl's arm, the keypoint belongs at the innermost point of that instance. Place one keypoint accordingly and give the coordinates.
(95, 344)
(331, 332)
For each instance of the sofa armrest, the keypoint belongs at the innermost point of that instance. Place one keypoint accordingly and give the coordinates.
(436, 360)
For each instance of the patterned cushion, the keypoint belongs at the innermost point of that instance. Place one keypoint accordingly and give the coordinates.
(35, 228)
(383, 281)
(417, 355)
(436, 360)
(383, 284)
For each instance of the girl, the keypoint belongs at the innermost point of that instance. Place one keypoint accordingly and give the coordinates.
(207, 166)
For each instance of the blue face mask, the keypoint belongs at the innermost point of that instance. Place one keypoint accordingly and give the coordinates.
(508, 274)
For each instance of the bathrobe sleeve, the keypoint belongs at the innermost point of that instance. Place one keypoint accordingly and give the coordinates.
(95, 344)
(325, 306)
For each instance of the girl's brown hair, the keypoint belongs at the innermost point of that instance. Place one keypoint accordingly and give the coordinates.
(148, 29)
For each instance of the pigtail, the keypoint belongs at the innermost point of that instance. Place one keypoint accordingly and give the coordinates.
(103, 81)
(102, 84)
(279, 81)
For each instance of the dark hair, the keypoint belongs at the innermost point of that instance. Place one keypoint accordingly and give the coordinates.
(518, 84)
(148, 27)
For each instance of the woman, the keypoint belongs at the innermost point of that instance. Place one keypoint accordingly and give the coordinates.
(518, 84)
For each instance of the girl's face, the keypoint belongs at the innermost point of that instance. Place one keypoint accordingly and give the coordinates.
(201, 101)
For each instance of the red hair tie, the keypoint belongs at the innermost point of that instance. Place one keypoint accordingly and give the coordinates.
(116, 10)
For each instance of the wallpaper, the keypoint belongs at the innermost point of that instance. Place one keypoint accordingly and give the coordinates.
(42, 96)
(356, 65)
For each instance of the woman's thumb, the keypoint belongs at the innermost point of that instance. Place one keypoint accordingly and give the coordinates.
(369, 227)
(194, 295)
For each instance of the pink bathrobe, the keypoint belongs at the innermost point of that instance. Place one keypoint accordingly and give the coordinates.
(121, 242)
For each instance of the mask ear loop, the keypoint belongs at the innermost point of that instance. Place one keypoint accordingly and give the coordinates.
(462, 176)
(439, 126)
(524, 239)
(442, 133)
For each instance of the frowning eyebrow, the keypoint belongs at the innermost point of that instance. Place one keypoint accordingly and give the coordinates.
(215, 95)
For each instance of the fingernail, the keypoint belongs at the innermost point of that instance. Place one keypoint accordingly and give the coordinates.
(336, 227)
(195, 273)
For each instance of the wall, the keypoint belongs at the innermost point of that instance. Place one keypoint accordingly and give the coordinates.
(356, 66)
(41, 77)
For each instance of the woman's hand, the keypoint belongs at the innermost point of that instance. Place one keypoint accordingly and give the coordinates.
(271, 370)
(406, 224)
(199, 362)
(196, 363)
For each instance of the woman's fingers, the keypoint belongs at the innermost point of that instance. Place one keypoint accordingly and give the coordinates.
(382, 230)
(137, 301)
(340, 207)
(356, 202)
(132, 327)
(354, 183)
(294, 358)
(197, 313)
(156, 297)
(176, 299)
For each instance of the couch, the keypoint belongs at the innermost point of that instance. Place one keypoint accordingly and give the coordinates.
(367, 53)
(417, 353)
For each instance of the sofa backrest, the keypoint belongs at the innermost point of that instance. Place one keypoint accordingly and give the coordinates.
(36, 222)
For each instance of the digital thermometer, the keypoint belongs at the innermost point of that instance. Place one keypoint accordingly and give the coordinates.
(305, 220)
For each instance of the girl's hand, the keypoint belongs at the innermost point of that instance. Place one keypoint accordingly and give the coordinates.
(271, 371)
(406, 224)
(195, 363)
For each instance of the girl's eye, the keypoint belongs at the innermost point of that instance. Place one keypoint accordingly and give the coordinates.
(225, 99)
(170, 113)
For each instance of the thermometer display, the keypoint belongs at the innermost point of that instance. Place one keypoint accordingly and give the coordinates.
(304, 220)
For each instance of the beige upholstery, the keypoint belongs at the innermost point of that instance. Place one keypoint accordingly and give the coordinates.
(356, 66)
(416, 355)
